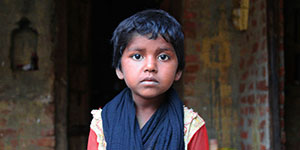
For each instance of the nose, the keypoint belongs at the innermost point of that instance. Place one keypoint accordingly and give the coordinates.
(151, 65)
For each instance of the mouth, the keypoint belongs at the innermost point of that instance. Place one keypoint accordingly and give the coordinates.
(149, 81)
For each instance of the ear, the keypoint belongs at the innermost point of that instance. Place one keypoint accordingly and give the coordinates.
(178, 75)
(119, 74)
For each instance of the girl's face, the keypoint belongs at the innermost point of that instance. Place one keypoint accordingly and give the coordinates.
(149, 67)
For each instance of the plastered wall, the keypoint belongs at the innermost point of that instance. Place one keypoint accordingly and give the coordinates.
(226, 77)
(26, 97)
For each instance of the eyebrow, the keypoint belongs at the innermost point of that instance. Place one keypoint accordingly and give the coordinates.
(166, 49)
(160, 49)
(135, 49)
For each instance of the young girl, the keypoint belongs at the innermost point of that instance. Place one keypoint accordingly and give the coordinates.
(148, 114)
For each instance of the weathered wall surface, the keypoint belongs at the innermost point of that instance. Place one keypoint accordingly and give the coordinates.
(226, 78)
(26, 97)
(254, 81)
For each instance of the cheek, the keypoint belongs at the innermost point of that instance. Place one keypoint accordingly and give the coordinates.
(129, 70)
(169, 72)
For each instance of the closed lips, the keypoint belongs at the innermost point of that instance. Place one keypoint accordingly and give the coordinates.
(149, 80)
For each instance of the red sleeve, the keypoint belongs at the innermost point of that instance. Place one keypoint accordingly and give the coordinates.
(199, 140)
(92, 142)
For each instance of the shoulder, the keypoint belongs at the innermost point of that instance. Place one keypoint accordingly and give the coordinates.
(192, 119)
(192, 123)
(96, 123)
(97, 127)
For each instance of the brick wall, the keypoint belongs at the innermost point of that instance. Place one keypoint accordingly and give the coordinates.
(254, 81)
(226, 78)
(209, 80)
(26, 97)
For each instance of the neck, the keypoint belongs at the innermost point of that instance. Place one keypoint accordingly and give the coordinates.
(145, 108)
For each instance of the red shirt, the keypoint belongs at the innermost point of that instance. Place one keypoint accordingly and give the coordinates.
(195, 134)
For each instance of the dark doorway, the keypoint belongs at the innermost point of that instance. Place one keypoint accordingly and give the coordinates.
(92, 79)
(106, 15)
(292, 67)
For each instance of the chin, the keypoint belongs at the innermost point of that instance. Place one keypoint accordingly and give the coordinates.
(151, 94)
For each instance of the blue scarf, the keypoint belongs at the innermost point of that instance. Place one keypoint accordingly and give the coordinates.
(163, 131)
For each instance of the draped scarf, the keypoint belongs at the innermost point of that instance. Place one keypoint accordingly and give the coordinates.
(163, 131)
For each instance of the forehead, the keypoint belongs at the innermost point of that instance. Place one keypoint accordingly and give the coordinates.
(146, 42)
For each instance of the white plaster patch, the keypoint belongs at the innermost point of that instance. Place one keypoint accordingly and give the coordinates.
(46, 99)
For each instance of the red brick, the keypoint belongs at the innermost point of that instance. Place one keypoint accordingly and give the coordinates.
(8, 132)
(242, 63)
(254, 72)
(255, 47)
(47, 132)
(254, 22)
(243, 99)
(262, 124)
(189, 15)
(3, 122)
(189, 78)
(241, 122)
(264, 71)
(262, 98)
(242, 111)
(14, 143)
(263, 147)
(263, 58)
(189, 29)
(242, 87)
(243, 146)
(5, 112)
(189, 91)
(262, 85)
(193, 68)
(262, 111)
(245, 75)
(50, 111)
(249, 122)
(262, 135)
(198, 47)
(244, 135)
(250, 86)
(251, 10)
(251, 99)
(251, 110)
(250, 61)
(45, 142)
(249, 147)
(245, 111)
(191, 58)
(1, 144)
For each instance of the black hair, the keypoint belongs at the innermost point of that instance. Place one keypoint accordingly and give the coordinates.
(152, 22)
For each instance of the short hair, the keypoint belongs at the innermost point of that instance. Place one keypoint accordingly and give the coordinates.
(154, 22)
